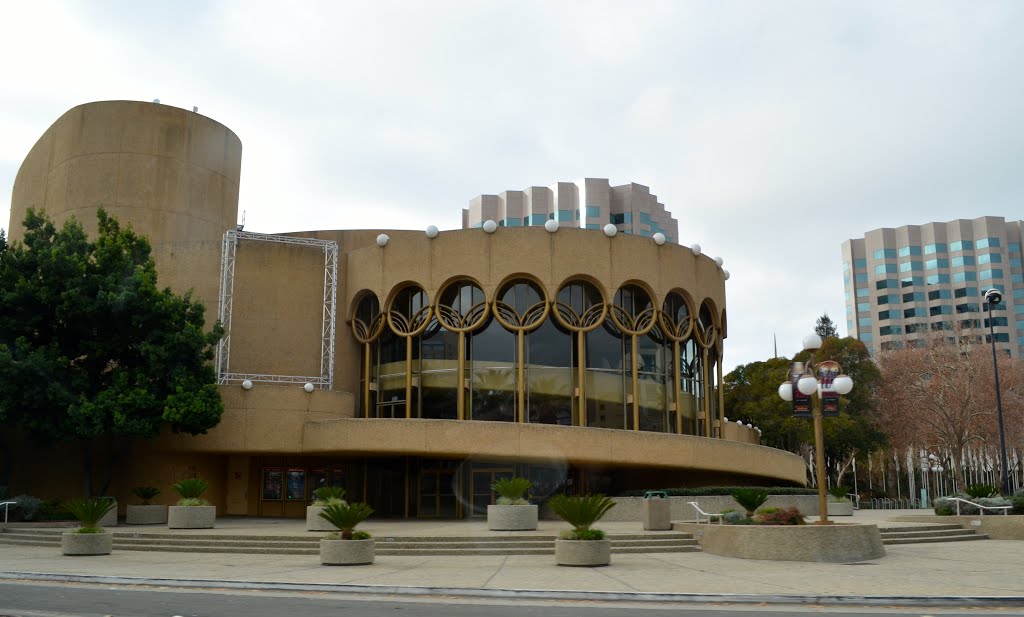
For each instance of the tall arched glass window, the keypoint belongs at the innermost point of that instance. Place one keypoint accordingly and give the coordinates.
(579, 308)
(520, 307)
(367, 326)
(676, 321)
(461, 308)
(634, 315)
(409, 314)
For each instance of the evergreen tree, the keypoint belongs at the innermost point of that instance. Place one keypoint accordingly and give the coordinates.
(92, 349)
(825, 328)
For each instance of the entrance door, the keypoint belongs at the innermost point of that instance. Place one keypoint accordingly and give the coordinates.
(435, 495)
(482, 495)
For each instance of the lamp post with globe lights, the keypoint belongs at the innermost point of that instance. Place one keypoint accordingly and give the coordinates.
(807, 383)
(993, 297)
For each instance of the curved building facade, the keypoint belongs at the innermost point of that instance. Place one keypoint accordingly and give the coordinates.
(412, 369)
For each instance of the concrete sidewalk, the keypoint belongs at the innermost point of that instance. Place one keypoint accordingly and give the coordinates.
(978, 569)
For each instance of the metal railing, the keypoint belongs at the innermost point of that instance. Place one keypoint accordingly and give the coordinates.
(889, 503)
(6, 505)
(981, 508)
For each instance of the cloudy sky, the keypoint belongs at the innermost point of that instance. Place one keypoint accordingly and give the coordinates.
(773, 130)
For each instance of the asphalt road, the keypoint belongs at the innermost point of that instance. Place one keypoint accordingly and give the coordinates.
(29, 599)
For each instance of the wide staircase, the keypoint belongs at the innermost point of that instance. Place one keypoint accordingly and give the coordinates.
(926, 533)
(664, 542)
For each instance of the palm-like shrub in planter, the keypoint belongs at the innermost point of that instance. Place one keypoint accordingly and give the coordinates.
(583, 545)
(513, 512)
(145, 513)
(347, 546)
(90, 538)
(512, 491)
(839, 493)
(192, 511)
(750, 499)
(323, 497)
(977, 491)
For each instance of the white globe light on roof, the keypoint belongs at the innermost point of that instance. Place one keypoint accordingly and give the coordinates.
(382, 240)
(432, 231)
(308, 387)
(247, 384)
(725, 274)
(659, 238)
(490, 226)
(696, 249)
(719, 261)
(610, 230)
(551, 225)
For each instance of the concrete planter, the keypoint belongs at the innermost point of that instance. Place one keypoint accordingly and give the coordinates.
(346, 552)
(145, 515)
(583, 552)
(840, 508)
(314, 522)
(841, 543)
(512, 518)
(191, 517)
(72, 543)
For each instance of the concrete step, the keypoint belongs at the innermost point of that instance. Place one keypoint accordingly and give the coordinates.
(965, 537)
(925, 527)
(388, 545)
(920, 533)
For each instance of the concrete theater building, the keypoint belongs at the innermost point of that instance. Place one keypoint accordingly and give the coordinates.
(411, 368)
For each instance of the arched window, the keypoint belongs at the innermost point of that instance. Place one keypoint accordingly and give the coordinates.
(367, 326)
(409, 314)
(461, 308)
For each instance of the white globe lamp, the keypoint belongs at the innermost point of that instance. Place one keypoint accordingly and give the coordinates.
(610, 230)
(696, 249)
(659, 238)
(812, 341)
(551, 225)
(490, 226)
(382, 240)
(308, 387)
(432, 231)
(719, 261)
(247, 384)
(807, 385)
(842, 384)
(786, 391)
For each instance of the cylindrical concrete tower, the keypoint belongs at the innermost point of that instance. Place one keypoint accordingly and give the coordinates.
(169, 173)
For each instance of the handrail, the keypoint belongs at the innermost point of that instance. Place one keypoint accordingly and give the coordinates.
(981, 508)
(855, 498)
(6, 505)
(709, 516)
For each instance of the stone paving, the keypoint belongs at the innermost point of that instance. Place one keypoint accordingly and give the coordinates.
(980, 568)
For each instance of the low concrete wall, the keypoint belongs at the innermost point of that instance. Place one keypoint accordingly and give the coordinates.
(632, 508)
(842, 543)
(997, 526)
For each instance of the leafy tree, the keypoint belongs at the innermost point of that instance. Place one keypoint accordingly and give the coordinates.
(942, 396)
(825, 328)
(90, 347)
(751, 395)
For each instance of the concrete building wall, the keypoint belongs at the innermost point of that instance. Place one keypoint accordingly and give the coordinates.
(901, 283)
(169, 173)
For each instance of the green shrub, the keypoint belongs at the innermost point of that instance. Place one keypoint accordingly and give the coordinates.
(750, 499)
(193, 502)
(581, 534)
(88, 511)
(580, 511)
(26, 508)
(145, 493)
(976, 491)
(4, 493)
(779, 516)
(345, 517)
(839, 493)
(328, 494)
(721, 490)
(943, 511)
(767, 510)
(190, 488)
(1017, 501)
(733, 517)
(512, 491)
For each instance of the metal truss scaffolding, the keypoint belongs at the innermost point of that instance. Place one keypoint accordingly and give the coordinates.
(227, 290)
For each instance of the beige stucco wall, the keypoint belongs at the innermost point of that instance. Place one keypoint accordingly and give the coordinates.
(169, 173)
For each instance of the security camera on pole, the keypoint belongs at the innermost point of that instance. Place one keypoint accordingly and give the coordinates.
(810, 389)
(992, 297)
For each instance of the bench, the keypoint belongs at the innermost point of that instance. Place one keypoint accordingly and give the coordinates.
(706, 515)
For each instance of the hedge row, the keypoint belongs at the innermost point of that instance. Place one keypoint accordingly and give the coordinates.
(722, 490)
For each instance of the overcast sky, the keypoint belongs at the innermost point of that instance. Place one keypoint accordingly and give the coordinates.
(772, 130)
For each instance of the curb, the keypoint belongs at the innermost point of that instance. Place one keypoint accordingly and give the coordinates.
(468, 592)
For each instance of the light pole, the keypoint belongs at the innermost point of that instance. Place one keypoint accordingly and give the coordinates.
(993, 296)
(807, 383)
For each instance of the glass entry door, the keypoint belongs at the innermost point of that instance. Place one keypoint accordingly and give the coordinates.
(482, 495)
(436, 496)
